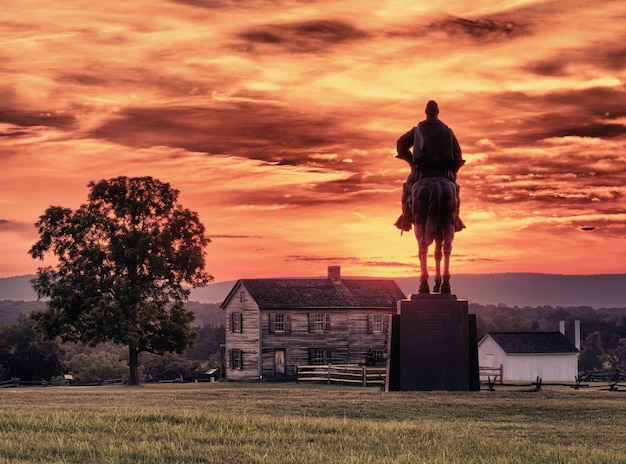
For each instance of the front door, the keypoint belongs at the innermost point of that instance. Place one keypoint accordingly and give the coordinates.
(279, 363)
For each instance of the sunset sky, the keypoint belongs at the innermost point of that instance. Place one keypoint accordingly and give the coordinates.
(278, 120)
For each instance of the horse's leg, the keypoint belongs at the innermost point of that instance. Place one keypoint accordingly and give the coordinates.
(447, 251)
(438, 256)
(423, 255)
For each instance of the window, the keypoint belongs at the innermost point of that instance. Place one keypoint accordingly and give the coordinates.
(280, 323)
(236, 322)
(236, 359)
(379, 354)
(377, 323)
(318, 357)
(242, 297)
(319, 322)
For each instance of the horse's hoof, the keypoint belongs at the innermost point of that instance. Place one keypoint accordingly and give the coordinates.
(437, 287)
(424, 289)
(445, 288)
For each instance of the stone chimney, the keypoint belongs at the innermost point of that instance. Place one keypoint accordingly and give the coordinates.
(334, 273)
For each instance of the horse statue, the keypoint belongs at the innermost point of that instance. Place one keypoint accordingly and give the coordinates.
(434, 208)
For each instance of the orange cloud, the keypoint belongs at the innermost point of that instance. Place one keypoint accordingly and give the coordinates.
(278, 125)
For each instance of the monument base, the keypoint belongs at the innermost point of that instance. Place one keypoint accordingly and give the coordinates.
(432, 345)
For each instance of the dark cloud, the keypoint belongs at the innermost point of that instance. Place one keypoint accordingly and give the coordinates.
(233, 236)
(215, 4)
(609, 57)
(466, 259)
(84, 79)
(529, 119)
(8, 225)
(355, 190)
(260, 131)
(13, 133)
(342, 259)
(391, 264)
(36, 118)
(613, 57)
(549, 68)
(563, 63)
(303, 37)
(600, 130)
(481, 29)
(602, 227)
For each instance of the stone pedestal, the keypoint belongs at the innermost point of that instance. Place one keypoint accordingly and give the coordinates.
(432, 346)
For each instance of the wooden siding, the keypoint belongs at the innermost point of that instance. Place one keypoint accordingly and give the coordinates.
(346, 339)
(247, 340)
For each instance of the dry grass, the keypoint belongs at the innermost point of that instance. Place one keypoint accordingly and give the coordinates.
(289, 423)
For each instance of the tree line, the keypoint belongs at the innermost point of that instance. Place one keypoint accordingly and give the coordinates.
(602, 331)
(28, 355)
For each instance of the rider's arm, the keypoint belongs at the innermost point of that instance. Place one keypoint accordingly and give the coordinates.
(456, 151)
(403, 145)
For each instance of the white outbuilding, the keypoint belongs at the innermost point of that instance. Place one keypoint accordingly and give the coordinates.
(526, 356)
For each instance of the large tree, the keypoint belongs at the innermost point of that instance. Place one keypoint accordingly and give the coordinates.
(123, 259)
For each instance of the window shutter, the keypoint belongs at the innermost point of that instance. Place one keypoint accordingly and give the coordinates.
(327, 358)
(311, 321)
(240, 316)
(231, 321)
(272, 323)
(370, 323)
(240, 359)
(327, 322)
(386, 318)
(310, 357)
(231, 358)
(287, 323)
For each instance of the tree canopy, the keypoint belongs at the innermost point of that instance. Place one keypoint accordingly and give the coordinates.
(123, 259)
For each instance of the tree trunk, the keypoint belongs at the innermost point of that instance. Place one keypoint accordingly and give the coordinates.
(133, 364)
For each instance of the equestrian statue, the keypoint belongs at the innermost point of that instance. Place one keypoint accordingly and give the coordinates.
(430, 196)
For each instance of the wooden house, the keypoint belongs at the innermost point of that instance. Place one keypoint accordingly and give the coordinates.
(524, 356)
(273, 325)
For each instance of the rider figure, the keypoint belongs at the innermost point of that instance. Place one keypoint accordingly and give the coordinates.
(436, 153)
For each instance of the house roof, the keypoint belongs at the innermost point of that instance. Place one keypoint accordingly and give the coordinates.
(532, 342)
(320, 293)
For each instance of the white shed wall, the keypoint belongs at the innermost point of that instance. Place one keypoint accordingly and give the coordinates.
(527, 367)
(490, 354)
(548, 367)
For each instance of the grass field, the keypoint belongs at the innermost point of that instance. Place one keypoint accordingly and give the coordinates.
(290, 423)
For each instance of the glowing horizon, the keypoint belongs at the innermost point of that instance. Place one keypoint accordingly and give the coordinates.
(277, 121)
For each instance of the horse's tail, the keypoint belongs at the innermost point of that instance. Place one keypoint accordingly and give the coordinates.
(435, 195)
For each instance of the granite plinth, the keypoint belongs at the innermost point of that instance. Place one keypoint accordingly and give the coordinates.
(431, 345)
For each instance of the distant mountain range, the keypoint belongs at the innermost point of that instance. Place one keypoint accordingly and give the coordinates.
(519, 289)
